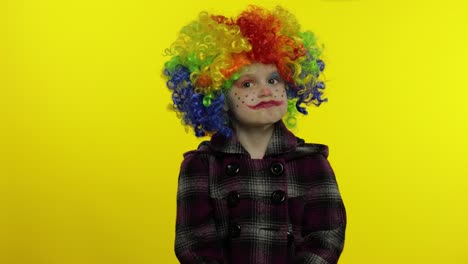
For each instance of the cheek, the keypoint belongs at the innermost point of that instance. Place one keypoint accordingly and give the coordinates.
(283, 97)
(279, 93)
(241, 98)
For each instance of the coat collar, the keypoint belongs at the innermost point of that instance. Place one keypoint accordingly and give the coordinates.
(282, 140)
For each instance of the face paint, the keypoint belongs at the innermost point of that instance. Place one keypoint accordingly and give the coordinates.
(258, 96)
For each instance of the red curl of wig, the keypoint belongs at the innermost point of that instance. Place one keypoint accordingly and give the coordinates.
(269, 46)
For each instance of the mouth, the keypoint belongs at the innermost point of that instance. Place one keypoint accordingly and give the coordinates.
(265, 104)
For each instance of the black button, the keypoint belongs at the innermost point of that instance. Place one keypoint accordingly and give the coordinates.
(278, 197)
(276, 168)
(234, 230)
(233, 199)
(290, 238)
(232, 169)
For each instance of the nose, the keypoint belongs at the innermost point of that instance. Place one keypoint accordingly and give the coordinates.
(264, 91)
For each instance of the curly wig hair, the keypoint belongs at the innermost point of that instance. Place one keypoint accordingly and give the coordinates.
(209, 53)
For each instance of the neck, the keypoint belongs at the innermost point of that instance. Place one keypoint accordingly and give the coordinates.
(254, 139)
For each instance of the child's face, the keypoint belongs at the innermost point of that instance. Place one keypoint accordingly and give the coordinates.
(258, 97)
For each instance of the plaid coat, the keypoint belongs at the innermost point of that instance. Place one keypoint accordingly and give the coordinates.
(284, 208)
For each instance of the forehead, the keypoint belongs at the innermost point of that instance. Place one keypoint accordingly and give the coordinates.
(259, 68)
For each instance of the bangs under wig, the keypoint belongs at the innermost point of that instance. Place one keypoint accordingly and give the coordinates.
(210, 52)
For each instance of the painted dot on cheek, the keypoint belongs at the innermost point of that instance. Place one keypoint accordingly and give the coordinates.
(242, 101)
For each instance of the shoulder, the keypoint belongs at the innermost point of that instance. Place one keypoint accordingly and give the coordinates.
(304, 149)
(196, 158)
(199, 155)
(202, 150)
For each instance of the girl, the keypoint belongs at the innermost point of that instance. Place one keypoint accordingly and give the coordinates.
(254, 193)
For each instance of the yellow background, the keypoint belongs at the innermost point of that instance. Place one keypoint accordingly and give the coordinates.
(90, 154)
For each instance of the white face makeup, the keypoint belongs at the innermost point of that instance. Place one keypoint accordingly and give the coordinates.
(258, 97)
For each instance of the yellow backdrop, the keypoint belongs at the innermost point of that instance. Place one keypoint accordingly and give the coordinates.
(90, 154)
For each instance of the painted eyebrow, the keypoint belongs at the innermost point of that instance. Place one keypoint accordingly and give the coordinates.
(275, 74)
(245, 76)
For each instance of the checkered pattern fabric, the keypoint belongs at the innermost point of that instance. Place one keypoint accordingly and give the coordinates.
(284, 208)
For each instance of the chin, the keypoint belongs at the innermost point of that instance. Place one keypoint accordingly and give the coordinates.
(263, 121)
(261, 118)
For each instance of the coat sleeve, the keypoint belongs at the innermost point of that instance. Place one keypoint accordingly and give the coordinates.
(196, 239)
(324, 219)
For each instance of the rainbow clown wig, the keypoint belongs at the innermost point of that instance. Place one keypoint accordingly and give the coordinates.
(209, 53)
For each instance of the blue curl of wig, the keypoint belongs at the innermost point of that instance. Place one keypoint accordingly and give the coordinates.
(190, 104)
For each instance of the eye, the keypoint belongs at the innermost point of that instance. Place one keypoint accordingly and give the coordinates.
(273, 80)
(247, 84)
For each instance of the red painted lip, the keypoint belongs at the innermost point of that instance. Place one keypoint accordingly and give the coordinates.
(265, 104)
